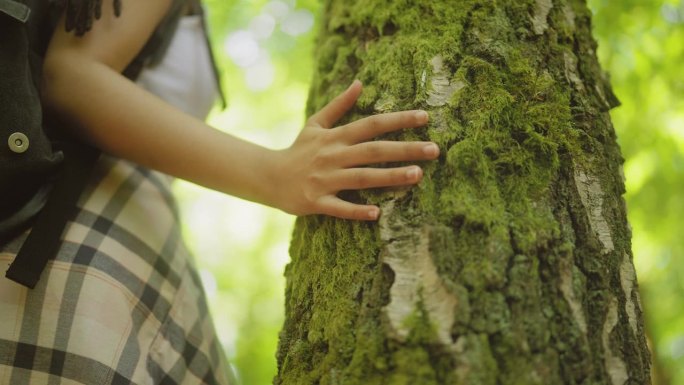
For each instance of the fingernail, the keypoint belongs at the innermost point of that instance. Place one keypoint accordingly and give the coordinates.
(373, 214)
(354, 83)
(412, 173)
(431, 150)
(422, 117)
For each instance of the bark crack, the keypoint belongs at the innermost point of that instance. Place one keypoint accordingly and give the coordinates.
(572, 71)
(416, 278)
(441, 88)
(541, 14)
(566, 287)
(627, 279)
(591, 195)
(569, 15)
(614, 365)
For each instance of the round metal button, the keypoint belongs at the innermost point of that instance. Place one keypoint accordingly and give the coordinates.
(18, 142)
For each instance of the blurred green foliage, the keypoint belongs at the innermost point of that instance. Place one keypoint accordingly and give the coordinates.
(242, 248)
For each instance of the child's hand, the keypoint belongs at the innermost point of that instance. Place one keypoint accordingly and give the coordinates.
(325, 160)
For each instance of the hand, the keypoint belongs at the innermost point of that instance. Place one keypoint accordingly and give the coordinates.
(80, 14)
(324, 161)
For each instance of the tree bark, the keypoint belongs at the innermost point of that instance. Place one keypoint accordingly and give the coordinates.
(511, 263)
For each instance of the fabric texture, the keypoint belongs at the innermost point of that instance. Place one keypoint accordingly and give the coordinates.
(122, 302)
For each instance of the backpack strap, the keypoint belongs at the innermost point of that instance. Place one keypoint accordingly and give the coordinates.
(16, 10)
(44, 239)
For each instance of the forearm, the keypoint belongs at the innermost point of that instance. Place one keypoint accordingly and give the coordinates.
(124, 120)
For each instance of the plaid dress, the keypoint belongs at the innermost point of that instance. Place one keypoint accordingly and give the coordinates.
(122, 302)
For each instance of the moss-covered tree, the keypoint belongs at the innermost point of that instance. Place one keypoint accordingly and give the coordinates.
(511, 262)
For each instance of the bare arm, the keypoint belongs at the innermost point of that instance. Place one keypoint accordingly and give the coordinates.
(83, 83)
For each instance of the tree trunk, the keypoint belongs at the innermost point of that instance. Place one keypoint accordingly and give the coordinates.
(511, 262)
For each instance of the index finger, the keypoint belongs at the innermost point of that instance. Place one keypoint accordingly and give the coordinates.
(372, 126)
(339, 106)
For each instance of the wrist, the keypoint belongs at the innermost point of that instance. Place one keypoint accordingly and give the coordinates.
(276, 186)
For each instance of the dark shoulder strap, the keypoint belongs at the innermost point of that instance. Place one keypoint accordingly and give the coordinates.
(16, 10)
(45, 237)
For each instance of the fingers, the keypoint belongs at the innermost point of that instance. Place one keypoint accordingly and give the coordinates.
(364, 178)
(376, 125)
(337, 207)
(350, 146)
(386, 151)
(339, 106)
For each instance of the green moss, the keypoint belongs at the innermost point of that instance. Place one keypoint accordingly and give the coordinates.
(478, 366)
(412, 366)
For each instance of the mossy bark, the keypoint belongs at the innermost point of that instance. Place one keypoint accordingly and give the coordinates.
(511, 262)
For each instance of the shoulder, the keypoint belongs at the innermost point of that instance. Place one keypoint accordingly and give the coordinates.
(113, 40)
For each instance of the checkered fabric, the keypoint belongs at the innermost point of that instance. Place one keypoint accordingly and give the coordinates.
(122, 302)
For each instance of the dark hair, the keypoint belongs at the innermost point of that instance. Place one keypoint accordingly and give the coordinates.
(80, 14)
